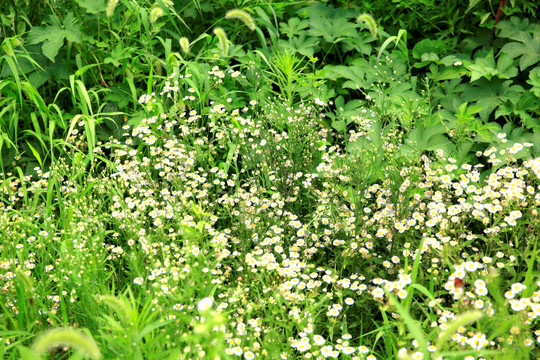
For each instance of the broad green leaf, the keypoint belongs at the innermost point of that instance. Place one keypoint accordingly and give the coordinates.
(294, 27)
(301, 44)
(428, 46)
(355, 74)
(53, 36)
(527, 49)
(490, 94)
(489, 104)
(51, 47)
(437, 142)
(534, 81)
(332, 29)
(93, 6)
(72, 30)
(466, 113)
(483, 67)
(116, 55)
(505, 67)
(40, 34)
(512, 28)
(38, 78)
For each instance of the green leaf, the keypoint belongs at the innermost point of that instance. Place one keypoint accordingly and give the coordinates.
(505, 67)
(294, 27)
(466, 113)
(491, 94)
(486, 67)
(428, 46)
(534, 81)
(53, 44)
(512, 28)
(301, 44)
(527, 48)
(437, 142)
(53, 36)
(332, 29)
(72, 31)
(354, 74)
(483, 67)
(40, 34)
(116, 55)
(93, 6)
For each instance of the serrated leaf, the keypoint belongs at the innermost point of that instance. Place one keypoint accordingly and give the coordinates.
(51, 47)
(72, 30)
(40, 34)
(302, 44)
(489, 104)
(428, 46)
(53, 36)
(483, 67)
(331, 29)
(354, 73)
(93, 6)
(527, 48)
(510, 28)
(505, 67)
(534, 81)
(294, 27)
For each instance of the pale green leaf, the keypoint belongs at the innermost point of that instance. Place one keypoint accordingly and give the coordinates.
(93, 6)
(534, 81)
(51, 47)
(40, 34)
(72, 30)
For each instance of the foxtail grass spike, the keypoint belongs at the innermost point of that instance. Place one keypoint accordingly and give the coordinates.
(111, 6)
(223, 41)
(184, 44)
(67, 336)
(155, 14)
(242, 16)
(370, 22)
(26, 280)
(120, 305)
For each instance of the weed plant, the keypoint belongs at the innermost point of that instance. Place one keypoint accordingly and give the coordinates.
(281, 249)
(315, 185)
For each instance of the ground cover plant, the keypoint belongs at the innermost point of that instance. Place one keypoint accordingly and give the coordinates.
(241, 180)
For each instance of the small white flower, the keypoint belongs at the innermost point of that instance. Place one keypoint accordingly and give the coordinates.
(205, 304)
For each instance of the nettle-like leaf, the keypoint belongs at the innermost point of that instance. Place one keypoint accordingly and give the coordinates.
(534, 81)
(511, 28)
(486, 67)
(332, 29)
(491, 94)
(428, 49)
(93, 6)
(294, 27)
(355, 75)
(53, 36)
(301, 44)
(526, 47)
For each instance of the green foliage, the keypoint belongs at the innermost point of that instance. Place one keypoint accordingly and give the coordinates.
(188, 179)
(53, 36)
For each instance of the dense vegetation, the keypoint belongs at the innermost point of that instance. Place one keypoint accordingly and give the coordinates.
(279, 180)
